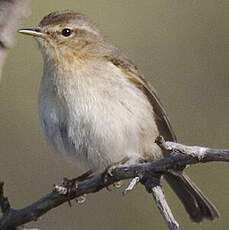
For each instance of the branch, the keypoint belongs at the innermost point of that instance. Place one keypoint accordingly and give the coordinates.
(11, 11)
(180, 157)
(164, 208)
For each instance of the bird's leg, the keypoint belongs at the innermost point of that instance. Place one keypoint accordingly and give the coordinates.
(80, 178)
(111, 168)
(115, 165)
(70, 185)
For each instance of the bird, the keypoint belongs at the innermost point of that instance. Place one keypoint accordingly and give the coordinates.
(96, 108)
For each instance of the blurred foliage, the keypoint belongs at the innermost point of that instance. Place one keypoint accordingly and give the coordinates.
(182, 47)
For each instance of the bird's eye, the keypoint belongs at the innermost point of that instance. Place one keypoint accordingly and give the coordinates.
(66, 32)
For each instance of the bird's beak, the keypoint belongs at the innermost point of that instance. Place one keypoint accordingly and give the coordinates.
(35, 32)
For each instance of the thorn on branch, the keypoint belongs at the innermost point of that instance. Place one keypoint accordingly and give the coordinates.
(131, 185)
(160, 141)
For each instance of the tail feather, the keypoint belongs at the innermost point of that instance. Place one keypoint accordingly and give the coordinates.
(195, 203)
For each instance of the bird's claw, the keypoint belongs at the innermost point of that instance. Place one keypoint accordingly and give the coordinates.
(67, 188)
(108, 173)
(118, 184)
(81, 199)
(70, 185)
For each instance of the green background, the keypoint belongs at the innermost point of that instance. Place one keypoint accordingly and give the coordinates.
(182, 47)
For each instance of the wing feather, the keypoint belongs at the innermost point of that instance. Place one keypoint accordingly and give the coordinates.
(162, 120)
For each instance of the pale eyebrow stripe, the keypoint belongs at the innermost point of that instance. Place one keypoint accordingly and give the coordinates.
(58, 30)
(87, 28)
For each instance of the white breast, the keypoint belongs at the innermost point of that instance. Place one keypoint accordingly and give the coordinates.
(95, 114)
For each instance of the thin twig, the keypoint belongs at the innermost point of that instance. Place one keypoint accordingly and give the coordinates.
(164, 208)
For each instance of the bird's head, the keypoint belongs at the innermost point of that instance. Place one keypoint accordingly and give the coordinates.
(66, 35)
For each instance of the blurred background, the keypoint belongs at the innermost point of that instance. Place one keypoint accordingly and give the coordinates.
(182, 47)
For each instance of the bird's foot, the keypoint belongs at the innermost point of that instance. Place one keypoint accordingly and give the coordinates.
(109, 173)
(70, 186)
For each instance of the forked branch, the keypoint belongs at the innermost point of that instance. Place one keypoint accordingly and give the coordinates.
(149, 173)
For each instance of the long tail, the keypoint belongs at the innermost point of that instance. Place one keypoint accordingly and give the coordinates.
(194, 201)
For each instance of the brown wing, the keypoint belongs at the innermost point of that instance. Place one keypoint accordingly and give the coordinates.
(196, 204)
(163, 123)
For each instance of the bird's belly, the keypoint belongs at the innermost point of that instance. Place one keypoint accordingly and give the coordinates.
(99, 122)
(100, 136)
(99, 132)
